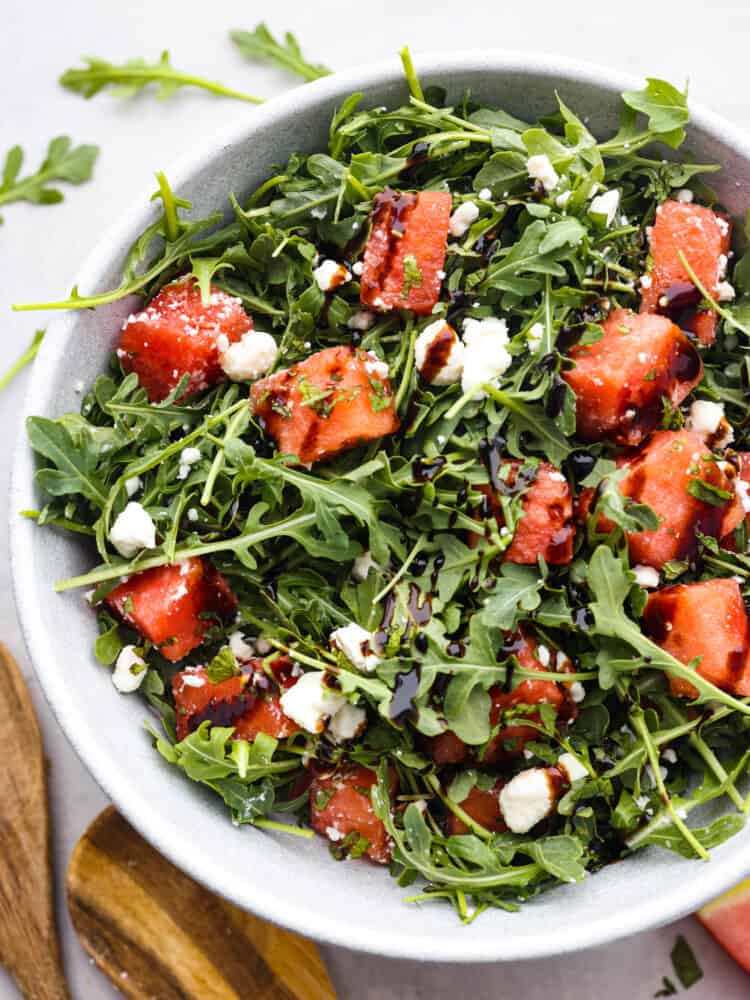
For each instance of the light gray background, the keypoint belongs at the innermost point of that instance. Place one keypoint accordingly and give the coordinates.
(41, 248)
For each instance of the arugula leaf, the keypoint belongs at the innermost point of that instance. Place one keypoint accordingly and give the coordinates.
(25, 359)
(664, 105)
(223, 666)
(684, 963)
(133, 76)
(261, 44)
(63, 162)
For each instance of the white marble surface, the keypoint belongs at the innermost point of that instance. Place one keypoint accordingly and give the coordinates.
(40, 249)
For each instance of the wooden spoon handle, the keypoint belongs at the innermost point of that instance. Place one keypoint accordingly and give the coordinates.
(28, 937)
(157, 933)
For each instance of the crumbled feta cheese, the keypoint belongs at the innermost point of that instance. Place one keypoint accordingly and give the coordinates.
(263, 647)
(707, 418)
(439, 343)
(188, 458)
(466, 213)
(645, 281)
(192, 680)
(543, 655)
(241, 649)
(132, 485)
(358, 268)
(192, 515)
(78, 387)
(685, 195)
(540, 168)
(334, 834)
(527, 799)
(354, 642)
(562, 199)
(318, 212)
(624, 220)
(723, 225)
(485, 356)
(485, 194)
(646, 576)
(743, 492)
(724, 291)
(250, 357)
(130, 669)
(330, 274)
(670, 755)
(577, 692)
(534, 336)
(362, 565)
(310, 702)
(222, 343)
(606, 204)
(347, 722)
(361, 320)
(571, 767)
(132, 531)
(374, 366)
(723, 262)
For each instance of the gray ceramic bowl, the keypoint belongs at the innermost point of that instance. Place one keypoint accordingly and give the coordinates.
(291, 882)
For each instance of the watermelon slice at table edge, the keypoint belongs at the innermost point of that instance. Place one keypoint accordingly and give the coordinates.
(727, 919)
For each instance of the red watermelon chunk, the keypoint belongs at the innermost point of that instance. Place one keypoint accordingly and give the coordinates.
(340, 805)
(728, 920)
(483, 806)
(706, 619)
(405, 254)
(658, 475)
(620, 381)
(248, 701)
(172, 605)
(704, 238)
(176, 334)
(336, 399)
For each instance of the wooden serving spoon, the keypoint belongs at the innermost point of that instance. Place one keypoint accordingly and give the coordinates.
(157, 934)
(28, 937)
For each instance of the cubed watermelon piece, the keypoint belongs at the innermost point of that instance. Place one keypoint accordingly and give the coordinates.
(546, 526)
(340, 805)
(176, 334)
(248, 701)
(483, 806)
(703, 237)
(173, 606)
(658, 475)
(336, 399)
(727, 919)
(706, 619)
(405, 254)
(620, 380)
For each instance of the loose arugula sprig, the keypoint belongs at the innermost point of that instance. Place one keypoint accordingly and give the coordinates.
(438, 593)
(132, 77)
(261, 44)
(63, 162)
(25, 359)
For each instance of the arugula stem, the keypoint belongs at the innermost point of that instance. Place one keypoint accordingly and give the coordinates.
(25, 359)
(99, 76)
(709, 300)
(171, 223)
(272, 824)
(415, 88)
(432, 782)
(415, 549)
(234, 427)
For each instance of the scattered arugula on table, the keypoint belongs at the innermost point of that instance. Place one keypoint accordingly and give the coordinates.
(261, 44)
(62, 162)
(25, 359)
(285, 537)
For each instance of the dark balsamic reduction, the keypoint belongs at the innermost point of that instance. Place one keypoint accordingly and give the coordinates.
(456, 648)
(581, 465)
(556, 398)
(417, 157)
(583, 619)
(491, 454)
(421, 642)
(424, 470)
(419, 610)
(402, 703)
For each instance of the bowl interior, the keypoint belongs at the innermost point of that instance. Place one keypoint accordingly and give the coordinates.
(289, 881)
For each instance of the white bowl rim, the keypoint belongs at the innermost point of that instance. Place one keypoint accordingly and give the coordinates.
(656, 910)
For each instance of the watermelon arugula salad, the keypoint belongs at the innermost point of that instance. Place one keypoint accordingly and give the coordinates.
(420, 490)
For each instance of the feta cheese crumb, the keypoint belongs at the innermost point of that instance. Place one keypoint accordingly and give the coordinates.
(192, 515)
(562, 199)
(466, 213)
(534, 336)
(439, 354)
(723, 225)
(527, 799)
(78, 387)
(606, 204)
(743, 492)
(540, 168)
(485, 356)
(670, 755)
(707, 418)
(485, 194)
(645, 281)
(241, 649)
(685, 195)
(724, 291)
(130, 669)
(222, 343)
(310, 702)
(361, 320)
(330, 274)
(374, 366)
(250, 357)
(132, 485)
(646, 576)
(577, 692)
(334, 834)
(354, 642)
(358, 268)
(571, 766)
(132, 531)
(543, 655)
(362, 565)
(347, 722)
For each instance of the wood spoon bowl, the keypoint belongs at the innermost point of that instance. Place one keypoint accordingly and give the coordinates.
(158, 934)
